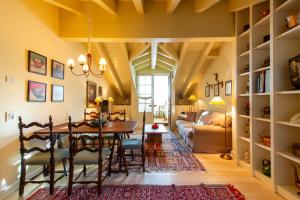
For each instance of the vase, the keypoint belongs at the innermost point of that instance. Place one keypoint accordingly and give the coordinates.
(294, 65)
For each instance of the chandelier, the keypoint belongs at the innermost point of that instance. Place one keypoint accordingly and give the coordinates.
(85, 62)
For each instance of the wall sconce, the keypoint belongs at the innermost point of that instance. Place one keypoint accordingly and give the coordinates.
(217, 80)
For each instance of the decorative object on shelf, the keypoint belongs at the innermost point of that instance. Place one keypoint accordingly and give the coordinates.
(37, 63)
(57, 69)
(294, 65)
(246, 27)
(36, 91)
(247, 130)
(266, 62)
(293, 20)
(247, 156)
(247, 108)
(260, 82)
(247, 87)
(267, 81)
(266, 38)
(266, 112)
(85, 62)
(57, 93)
(296, 149)
(265, 12)
(266, 167)
(91, 93)
(266, 139)
(228, 88)
(216, 90)
(247, 67)
(295, 119)
(297, 181)
(219, 102)
(207, 91)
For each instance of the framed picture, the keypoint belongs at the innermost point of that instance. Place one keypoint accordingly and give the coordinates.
(216, 90)
(99, 91)
(228, 88)
(37, 63)
(207, 91)
(91, 94)
(57, 93)
(57, 69)
(36, 91)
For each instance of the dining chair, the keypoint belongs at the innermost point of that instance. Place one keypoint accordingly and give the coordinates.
(46, 157)
(86, 155)
(89, 116)
(135, 144)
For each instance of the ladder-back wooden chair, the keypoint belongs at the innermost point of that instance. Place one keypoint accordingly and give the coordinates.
(46, 157)
(86, 155)
(136, 144)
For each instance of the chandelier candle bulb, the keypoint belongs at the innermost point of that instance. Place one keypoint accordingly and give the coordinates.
(82, 59)
(70, 62)
(85, 68)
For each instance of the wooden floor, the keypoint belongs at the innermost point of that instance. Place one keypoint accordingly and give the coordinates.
(218, 171)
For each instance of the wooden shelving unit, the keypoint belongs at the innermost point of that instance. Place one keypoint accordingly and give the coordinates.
(282, 99)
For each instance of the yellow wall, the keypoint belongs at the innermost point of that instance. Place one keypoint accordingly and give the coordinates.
(33, 25)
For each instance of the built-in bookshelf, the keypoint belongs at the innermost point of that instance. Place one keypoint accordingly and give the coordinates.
(263, 83)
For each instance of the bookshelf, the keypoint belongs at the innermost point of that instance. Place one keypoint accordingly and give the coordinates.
(268, 56)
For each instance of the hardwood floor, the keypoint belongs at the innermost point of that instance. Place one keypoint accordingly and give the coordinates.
(218, 171)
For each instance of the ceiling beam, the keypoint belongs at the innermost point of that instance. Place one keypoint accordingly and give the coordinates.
(143, 66)
(169, 51)
(182, 54)
(202, 57)
(166, 60)
(135, 53)
(141, 59)
(164, 65)
(68, 5)
(153, 54)
(172, 5)
(124, 49)
(139, 6)
(109, 6)
(203, 5)
(141, 62)
(111, 68)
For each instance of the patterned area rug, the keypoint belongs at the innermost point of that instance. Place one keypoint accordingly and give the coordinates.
(145, 192)
(170, 155)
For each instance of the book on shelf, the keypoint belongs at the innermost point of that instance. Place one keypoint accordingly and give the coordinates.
(263, 82)
(267, 81)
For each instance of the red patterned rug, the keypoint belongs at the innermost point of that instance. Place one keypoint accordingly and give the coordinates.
(170, 155)
(145, 192)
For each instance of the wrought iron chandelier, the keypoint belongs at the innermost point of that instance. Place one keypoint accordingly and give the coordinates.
(85, 62)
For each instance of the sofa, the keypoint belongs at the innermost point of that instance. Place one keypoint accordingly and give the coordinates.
(204, 132)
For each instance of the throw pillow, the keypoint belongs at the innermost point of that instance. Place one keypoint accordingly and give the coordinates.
(205, 118)
(190, 116)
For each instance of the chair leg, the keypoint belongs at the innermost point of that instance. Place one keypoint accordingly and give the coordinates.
(65, 167)
(84, 170)
(99, 176)
(124, 160)
(143, 159)
(119, 157)
(22, 179)
(111, 156)
(71, 172)
(132, 155)
(52, 176)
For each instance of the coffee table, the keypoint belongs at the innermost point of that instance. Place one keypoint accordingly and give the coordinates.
(155, 135)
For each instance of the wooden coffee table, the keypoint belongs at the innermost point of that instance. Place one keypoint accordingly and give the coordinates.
(155, 135)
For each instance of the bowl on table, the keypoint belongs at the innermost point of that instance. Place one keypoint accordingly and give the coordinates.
(95, 122)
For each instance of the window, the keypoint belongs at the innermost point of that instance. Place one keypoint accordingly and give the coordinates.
(145, 93)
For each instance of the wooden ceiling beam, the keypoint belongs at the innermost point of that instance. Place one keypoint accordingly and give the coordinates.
(111, 68)
(153, 54)
(124, 49)
(143, 66)
(141, 61)
(169, 52)
(109, 6)
(68, 5)
(182, 54)
(203, 5)
(139, 6)
(136, 53)
(164, 66)
(172, 5)
(166, 60)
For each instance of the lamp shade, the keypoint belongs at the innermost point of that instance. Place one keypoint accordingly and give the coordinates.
(98, 99)
(110, 99)
(192, 98)
(217, 101)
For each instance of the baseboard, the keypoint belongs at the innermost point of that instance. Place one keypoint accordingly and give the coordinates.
(15, 186)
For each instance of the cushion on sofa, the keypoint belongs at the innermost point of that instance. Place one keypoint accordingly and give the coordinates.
(189, 132)
(180, 122)
(205, 118)
(218, 119)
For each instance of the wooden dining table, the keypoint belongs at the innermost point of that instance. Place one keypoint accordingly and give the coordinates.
(118, 128)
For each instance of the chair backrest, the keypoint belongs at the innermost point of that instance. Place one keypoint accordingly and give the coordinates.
(73, 139)
(143, 130)
(23, 138)
(119, 113)
(88, 115)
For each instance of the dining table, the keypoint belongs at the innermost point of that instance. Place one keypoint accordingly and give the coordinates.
(118, 128)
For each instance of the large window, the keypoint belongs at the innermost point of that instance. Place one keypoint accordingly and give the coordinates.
(145, 93)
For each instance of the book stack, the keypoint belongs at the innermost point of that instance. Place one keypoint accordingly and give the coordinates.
(263, 82)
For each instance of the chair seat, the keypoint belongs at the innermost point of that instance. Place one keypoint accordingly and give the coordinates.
(132, 143)
(44, 158)
(90, 158)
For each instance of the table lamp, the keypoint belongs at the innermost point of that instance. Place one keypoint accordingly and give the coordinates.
(98, 101)
(219, 102)
(192, 98)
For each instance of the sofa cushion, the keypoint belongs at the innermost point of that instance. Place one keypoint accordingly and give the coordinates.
(218, 119)
(188, 132)
(205, 118)
(190, 116)
(180, 122)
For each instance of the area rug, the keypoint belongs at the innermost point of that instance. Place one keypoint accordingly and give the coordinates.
(170, 155)
(144, 192)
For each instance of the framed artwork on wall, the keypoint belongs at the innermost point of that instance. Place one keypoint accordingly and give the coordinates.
(91, 94)
(99, 91)
(36, 91)
(228, 88)
(37, 63)
(57, 69)
(57, 93)
(207, 91)
(216, 90)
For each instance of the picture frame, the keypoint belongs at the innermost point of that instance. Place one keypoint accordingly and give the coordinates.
(57, 93)
(228, 88)
(36, 91)
(99, 91)
(57, 69)
(37, 63)
(216, 90)
(91, 94)
(207, 91)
